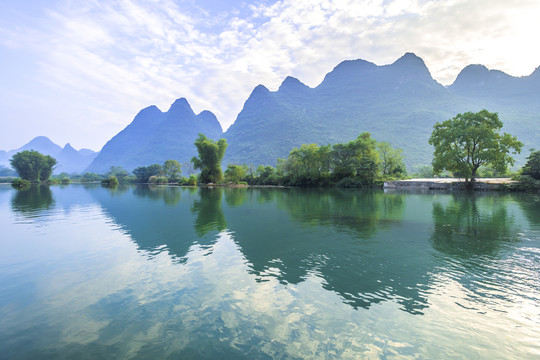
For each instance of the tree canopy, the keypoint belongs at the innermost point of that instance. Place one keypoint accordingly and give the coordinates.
(172, 169)
(470, 140)
(143, 173)
(210, 156)
(31, 165)
(360, 161)
(532, 167)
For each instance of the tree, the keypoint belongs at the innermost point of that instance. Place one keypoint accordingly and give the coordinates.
(32, 165)
(308, 165)
(119, 173)
(143, 173)
(470, 140)
(235, 173)
(366, 159)
(391, 160)
(532, 167)
(172, 170)
(210, 156)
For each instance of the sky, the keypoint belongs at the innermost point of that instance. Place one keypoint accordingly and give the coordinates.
(79, 71)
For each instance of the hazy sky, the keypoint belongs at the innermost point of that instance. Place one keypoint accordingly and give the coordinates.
(79, 71)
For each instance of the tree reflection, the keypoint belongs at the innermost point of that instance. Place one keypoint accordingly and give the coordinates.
(470, 226)
(32, 201)
(333, 235)
(364, 212)
(168, 194)
(235, 196)
(208, 210)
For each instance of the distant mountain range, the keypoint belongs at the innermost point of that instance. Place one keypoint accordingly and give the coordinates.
(155, 136)
(68, 159)
(398, 103)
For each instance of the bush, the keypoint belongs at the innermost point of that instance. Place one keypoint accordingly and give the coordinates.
(351, 182)
(65, 181)
(110, 181)
(532, 167)
(191, 181)
(525, 183)
(159, 180)
(20, 184)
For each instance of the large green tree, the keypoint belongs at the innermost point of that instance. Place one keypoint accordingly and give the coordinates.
(31, 165)
(172, 169)
(470, 140)
(210, 156)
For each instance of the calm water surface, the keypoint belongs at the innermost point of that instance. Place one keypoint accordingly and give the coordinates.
(160, 272)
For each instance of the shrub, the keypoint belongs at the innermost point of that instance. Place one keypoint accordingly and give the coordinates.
(159, 180)
(191, 181)
(20, 184)
(110, 181)
(532, 167)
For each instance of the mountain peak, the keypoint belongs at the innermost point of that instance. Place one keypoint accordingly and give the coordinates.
(411, 61)
(180, 104)
(291, 83)
(68, 147)
(260, 89)
(477, 75)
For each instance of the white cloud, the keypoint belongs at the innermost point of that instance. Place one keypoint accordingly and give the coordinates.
(117, 57)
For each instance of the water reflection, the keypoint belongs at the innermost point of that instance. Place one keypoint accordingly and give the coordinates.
(292, 274)
(366, 246)
(32, 202)
(468, 226)
(209, 213)
(169, 195)
(293, 234)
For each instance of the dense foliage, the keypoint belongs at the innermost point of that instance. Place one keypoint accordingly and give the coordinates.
(358, 163)
(235, 173)
(532, 167)
(20, 184)
(32, 165)
(470, 140)
(172, 170)
(143, 173)
(209, 161)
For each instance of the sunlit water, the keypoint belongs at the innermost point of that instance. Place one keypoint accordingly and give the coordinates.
(138, 272)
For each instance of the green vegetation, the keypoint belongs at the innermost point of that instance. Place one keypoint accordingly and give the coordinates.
(532, 167)
(191, 181)
(121, 174)
(143, 173)
(470, 140)
(20, 184)
(209, 161)
(158, 180)
(172, 170)
(33, 166)
(235, 173)
(111, 181)
(358, 163)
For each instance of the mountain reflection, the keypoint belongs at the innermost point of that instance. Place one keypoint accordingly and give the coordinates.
(331, 234)
(366, 246)
(162, 218)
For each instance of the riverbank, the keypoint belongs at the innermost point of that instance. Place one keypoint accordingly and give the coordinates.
(487, 184)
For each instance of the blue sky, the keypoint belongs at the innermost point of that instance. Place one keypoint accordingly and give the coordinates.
(79, 71)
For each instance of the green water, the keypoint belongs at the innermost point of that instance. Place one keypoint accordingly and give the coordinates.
(166, 272)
